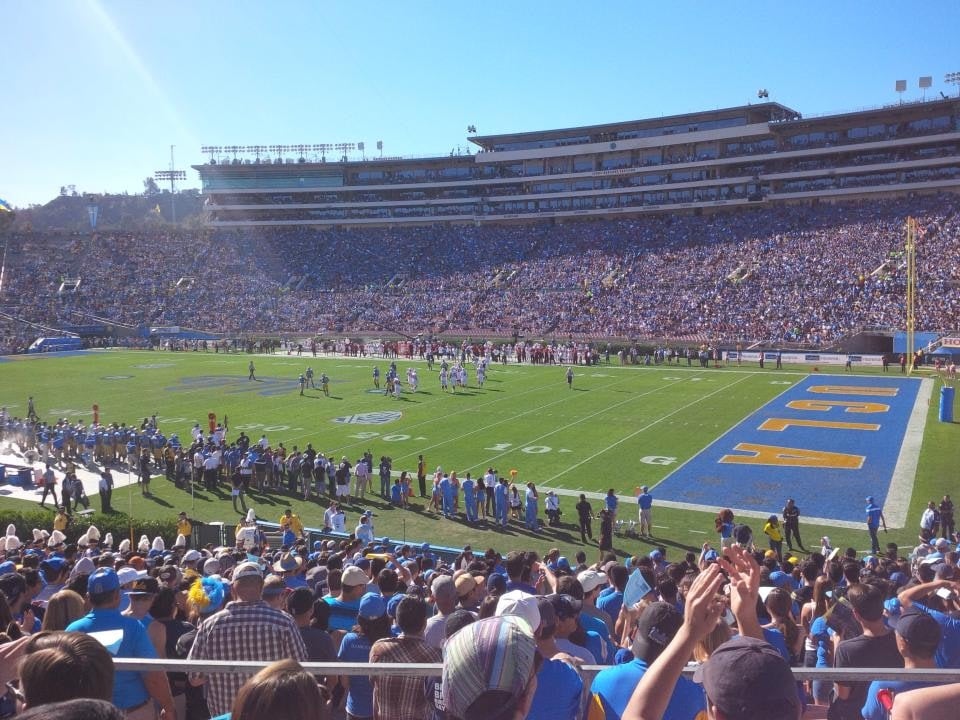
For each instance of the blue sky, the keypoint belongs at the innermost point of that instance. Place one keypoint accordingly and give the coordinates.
(96, 91)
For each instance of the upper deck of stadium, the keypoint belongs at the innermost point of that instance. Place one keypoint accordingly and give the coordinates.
(740, 156)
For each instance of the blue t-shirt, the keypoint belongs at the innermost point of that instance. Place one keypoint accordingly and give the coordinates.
(559, 688)
(612, 502)
(821, 632)
(343, 616)
(948, 652)
(614, 686)
(124, 637)
(356, 648)
(396, 494)
(873, 710)
(873, 516)
(645, 501)
(611, 603)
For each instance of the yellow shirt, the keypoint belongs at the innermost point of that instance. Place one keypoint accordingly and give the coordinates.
(184, 527)
(60, 522)
(773, 532)
(293, 522)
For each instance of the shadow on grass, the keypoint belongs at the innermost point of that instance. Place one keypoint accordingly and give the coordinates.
(159, 501)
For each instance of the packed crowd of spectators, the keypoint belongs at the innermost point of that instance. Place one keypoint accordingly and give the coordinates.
(803, 274)
(512, 635)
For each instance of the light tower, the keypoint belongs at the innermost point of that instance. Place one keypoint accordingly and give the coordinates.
(910, 250)
(172, 175)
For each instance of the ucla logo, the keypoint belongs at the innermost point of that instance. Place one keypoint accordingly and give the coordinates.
(370, 418)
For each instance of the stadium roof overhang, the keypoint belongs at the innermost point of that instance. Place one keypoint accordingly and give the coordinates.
(760, 112)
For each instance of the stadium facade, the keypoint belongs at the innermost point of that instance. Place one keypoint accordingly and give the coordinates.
(754, 155)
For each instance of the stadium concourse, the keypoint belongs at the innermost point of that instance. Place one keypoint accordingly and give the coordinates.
(806, 274)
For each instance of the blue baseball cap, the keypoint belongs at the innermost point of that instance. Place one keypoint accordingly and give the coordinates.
(372, 606)
(392, 604)
(102, 580)
(869, 498)
(7, 567)
(54, 563)
(563, 564)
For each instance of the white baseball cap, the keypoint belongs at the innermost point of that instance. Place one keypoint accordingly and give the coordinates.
(521, 604)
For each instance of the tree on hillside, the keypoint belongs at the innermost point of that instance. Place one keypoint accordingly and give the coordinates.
(150, 186)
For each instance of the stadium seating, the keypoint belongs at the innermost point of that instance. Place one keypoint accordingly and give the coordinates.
(806, 274)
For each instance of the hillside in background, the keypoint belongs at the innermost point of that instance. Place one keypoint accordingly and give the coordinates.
(69, 213)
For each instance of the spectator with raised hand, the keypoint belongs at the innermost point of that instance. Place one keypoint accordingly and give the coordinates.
(948, 653)
(745, 677)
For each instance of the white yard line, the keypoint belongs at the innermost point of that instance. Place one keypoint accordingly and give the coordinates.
(643, 429)
(587, 417)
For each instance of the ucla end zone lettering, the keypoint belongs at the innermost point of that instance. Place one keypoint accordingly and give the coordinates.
(826, 442)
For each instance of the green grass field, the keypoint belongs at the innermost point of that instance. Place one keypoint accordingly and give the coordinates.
(618, 427)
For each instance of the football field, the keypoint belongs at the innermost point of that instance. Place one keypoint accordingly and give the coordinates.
(702, 438)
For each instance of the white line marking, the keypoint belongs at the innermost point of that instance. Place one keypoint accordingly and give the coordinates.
(645, 427)
(905, 471)
(699, 532)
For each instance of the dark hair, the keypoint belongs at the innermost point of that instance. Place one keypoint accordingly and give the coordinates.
(60, 666)
(387, 581)
(299, 601)
(411, 614)
(457, 620)
(867, 600)
(320, 618)
(375, 629)
(618, 576)
(281, 690)
(77, 709)
(164, 604)
(569, 585)
(488, 607)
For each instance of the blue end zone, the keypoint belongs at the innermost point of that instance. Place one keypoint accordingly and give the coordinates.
(844, 465)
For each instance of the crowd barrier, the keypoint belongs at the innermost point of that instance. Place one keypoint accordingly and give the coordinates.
(436, 669)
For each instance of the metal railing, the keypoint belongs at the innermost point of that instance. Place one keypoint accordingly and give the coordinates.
(436, 669)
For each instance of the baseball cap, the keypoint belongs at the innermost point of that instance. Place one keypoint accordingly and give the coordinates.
(102, 580)
(487, 665)
(247, 569)
(497, 583)
(144, 587)
(191, 556)
(211, 566)
(521, 604)
(591, 579)
(372, 606)
(392, 604)
(920, 630)
(129, 574)
(747, 677)
(548, 616)
(657, 625)
(353, 576)
(565, 606)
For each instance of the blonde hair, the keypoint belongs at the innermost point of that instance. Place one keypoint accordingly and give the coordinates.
(62, 609)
